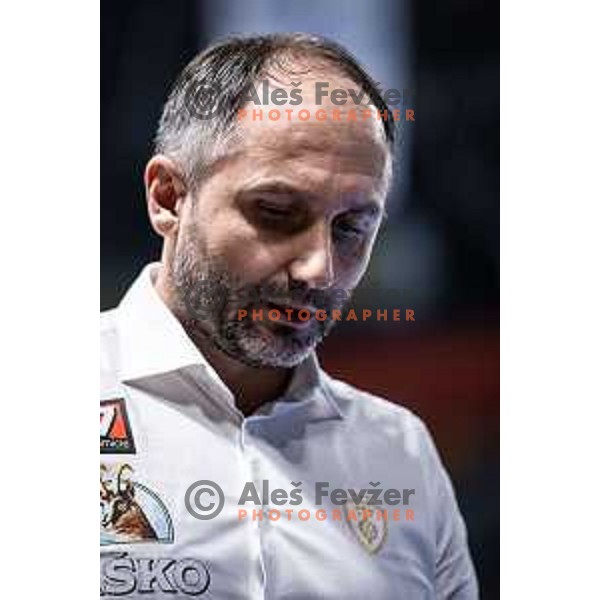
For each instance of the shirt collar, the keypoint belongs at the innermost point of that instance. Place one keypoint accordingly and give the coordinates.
(152, 342)
(307, 394)
(151, 339)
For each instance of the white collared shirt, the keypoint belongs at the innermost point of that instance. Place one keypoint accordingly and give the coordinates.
(168, 421)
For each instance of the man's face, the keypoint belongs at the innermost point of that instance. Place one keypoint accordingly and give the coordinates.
(286, 221)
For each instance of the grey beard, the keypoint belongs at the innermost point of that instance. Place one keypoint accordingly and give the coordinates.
(209, 299)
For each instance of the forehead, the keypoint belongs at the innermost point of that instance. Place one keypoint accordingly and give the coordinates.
(329, 154)
(315, 156)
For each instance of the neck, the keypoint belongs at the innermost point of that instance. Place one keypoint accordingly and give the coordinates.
(250, 386)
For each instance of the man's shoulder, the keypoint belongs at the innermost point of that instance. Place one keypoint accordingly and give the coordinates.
(375, 411)
(375, 424)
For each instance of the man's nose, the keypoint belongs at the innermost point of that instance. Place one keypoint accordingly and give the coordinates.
(313, 263)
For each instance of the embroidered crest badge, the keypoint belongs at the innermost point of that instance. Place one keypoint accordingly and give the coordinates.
(367, 524)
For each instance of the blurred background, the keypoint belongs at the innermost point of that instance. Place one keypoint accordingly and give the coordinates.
(438, 253)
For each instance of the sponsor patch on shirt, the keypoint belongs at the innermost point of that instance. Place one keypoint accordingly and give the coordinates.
(115, 431)
(130, 511)
(122, 574)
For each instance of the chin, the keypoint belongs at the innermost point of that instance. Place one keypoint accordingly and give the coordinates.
(278, 355)
(284, 355)
(263, 347)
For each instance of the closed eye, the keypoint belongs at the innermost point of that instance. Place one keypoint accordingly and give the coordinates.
(349, 229)
(278, 217)
(273, 210)
(354, 225)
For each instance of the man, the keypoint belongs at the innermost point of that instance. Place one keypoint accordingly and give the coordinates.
(258, 475)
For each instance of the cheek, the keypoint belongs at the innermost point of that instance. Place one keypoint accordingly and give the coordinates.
(352, 263)
(350, 276)
(245, 255)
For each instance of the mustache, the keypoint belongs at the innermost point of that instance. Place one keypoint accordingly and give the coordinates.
(222, 291)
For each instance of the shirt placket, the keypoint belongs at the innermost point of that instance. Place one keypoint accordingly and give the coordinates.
(255, 468)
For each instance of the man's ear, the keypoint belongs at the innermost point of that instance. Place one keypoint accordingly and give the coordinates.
(165, 190)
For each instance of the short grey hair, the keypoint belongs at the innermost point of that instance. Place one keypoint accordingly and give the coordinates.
(201, 110)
